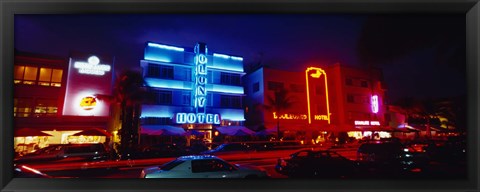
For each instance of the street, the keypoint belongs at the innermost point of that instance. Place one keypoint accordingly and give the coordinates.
(263, 159)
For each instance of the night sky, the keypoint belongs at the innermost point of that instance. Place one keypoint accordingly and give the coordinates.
(420, 55)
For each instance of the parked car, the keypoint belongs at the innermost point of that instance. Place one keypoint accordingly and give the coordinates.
(390, 157)
(316, 163)
(228, 148)
(66, 152)
(202, 166)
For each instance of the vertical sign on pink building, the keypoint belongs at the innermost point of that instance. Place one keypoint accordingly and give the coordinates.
(88, 76)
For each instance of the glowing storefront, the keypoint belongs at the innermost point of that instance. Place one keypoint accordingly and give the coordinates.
(195, 88)
(328, 99)
(56, 96)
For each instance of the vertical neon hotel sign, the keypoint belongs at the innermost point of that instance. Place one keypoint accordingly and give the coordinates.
(317, 73)
(200, 92)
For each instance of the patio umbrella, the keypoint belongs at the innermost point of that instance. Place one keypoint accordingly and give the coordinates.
(29, 132)
(93, 132)
(241, 132)
(156, 130)
(165, 132)
(232, 130)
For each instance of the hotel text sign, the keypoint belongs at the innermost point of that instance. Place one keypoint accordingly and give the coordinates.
(199, 92)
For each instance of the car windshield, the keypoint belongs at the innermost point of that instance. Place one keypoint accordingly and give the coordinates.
(170, 165)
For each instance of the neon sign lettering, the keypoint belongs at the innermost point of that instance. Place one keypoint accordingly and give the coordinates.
(375, 104)
(200, 78)
(321, 117)
(92, 67)
(289, 116)
(367, 122)
(318, 72)
(191, 118)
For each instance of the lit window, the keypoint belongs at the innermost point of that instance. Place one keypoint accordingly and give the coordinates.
(57, 77)
(30, 75)
(46, 108)
(45, 76)
(22, 107)
(18, 75)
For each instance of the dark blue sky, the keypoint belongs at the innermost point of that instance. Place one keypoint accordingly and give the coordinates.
(415, 52)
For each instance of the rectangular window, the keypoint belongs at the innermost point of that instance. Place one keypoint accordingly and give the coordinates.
(153, 70)
(228, 101)
(30, 75)
(160, 71)
(186, 98)
(22, 107)
(46, 76)
(46, 108)
(274, 85)
(18, 74)
(224, 101)
(256, 87)
(166, 72)
(164, 97)
(230, 79)
(57, 77)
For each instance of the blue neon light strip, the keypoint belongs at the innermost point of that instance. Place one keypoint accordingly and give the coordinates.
(158, 111)
(166, 47)
(153, 57)
(231, 114)
(225, 88)
(169, 84)
(227, 57)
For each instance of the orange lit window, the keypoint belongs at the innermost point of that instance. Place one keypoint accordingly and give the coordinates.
(18, 74)
(22, 107)
(57, 77)
(45, 76)
(46, 107)
(30, 75)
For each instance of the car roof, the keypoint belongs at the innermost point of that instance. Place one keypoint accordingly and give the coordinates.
(195, 157)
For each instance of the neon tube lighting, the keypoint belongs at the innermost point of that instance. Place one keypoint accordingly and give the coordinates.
(167, 47)
(318, 73)
(227, 57)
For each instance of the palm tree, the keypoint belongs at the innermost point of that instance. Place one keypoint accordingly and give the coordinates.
(409, 106)
(280, 102)
(128, 93)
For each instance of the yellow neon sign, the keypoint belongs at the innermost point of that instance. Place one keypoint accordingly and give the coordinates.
(289, 116)
(318, 73)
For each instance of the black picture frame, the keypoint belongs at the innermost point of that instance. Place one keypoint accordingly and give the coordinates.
(471, 9)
